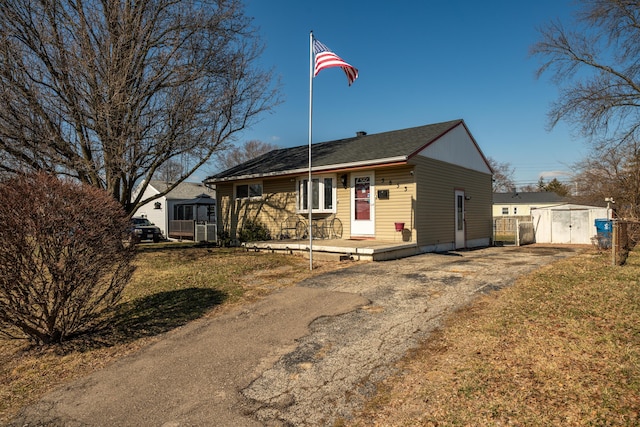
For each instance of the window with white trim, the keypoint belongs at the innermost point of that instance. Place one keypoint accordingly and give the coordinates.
(323, 194)
(248, 191)
(505, 211)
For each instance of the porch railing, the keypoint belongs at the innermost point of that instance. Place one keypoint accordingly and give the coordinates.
(190, 230)
(182, 229)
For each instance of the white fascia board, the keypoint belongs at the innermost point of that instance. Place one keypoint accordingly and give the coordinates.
(314, 169)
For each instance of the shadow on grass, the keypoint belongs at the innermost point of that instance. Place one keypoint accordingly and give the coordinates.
(147, 317)
(159, 247)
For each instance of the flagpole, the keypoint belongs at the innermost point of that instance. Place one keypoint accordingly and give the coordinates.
(309, 184)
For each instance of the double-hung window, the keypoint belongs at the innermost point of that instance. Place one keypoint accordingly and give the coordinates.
(323, 194)
(251, 190)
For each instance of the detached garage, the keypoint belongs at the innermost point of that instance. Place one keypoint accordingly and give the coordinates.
(566, 224)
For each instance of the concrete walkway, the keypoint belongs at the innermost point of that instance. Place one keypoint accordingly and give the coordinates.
(304, 356)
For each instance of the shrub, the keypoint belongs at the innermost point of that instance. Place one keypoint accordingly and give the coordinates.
(63, 256)
(253, 230)
(224, 239)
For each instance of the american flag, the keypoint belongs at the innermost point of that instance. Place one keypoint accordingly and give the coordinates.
(327, 59)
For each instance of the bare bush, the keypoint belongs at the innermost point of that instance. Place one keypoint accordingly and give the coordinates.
(63, 258)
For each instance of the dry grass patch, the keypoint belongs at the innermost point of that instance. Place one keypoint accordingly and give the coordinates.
(172, 286)
(561, 347)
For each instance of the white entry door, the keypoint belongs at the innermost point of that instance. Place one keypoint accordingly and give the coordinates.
(362, 205)
(459, 218)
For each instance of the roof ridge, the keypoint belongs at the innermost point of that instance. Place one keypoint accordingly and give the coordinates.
(393, 145)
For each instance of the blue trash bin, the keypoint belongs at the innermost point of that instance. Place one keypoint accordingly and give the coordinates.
(603, 231)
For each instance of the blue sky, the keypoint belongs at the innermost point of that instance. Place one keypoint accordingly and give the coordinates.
(420, 62)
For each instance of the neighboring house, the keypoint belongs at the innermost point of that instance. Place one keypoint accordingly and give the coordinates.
(521, 203)
(434, 179)
(175, 205)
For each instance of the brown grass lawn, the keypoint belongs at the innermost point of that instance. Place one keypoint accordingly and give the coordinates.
(560, 348)
(172, 285)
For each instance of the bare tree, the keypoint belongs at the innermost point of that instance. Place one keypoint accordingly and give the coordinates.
(502, 176)
(596, 66)
(613, 174)
(530, 188)
(170, 171)
(236, 155)
(108, 91)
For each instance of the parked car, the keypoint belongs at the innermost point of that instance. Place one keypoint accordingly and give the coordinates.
(143, 229)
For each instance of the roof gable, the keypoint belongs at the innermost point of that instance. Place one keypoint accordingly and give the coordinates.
(457, 147)
(387, 147)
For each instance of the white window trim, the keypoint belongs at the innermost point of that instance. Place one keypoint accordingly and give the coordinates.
(248, 184)
(320, 179)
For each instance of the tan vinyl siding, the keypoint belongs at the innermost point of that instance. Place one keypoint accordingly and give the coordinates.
(278, 201)
(343, 208)
(435, 201)
(224, 194)
(424, 201)
(399, 207)
(478, 216)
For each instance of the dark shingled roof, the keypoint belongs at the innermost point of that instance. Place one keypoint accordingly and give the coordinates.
(527, 198)
(366, 148)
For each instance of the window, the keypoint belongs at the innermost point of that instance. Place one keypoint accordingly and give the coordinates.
(460, 215)
(323, 193)
(183, 212)
(505, 211)
(515, 211)
(251, 190)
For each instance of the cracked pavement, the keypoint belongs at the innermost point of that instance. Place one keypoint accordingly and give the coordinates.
(304, 356)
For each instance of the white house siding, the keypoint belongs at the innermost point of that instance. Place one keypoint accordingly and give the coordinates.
(456, 147)
(156, 216)
(161, 217)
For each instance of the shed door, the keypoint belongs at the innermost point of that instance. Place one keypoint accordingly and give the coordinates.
(580, 229)
(362, 205)
(560, 227)
(570, 226)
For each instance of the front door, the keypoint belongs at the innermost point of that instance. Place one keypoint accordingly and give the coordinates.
(459, 225)
(362, 205)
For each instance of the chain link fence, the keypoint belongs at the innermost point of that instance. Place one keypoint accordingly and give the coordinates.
(625, 235)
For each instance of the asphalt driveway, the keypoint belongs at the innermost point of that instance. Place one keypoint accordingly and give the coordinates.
(304, 356)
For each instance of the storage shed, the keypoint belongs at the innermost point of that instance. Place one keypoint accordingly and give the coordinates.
(566, 224)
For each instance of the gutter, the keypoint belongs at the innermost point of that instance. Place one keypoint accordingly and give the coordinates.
(316, 169)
